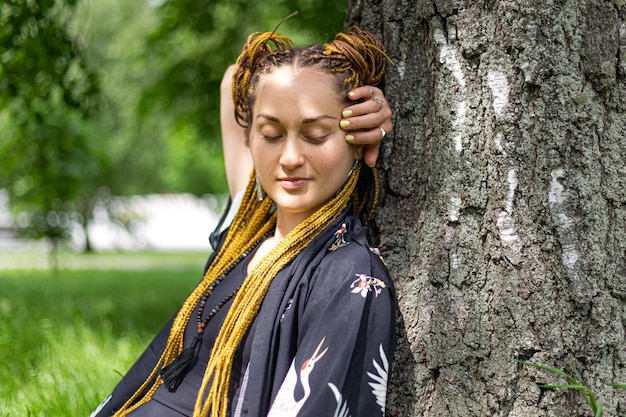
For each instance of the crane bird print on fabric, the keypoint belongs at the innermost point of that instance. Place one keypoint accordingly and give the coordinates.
(340, 240)
(342, 409)
(285, 403)
(378, 384)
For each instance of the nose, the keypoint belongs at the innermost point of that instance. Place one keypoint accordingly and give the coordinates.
(291, 155)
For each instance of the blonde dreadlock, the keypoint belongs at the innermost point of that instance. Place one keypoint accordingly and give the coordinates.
(249, 298)
(239, 238)
(357, 58)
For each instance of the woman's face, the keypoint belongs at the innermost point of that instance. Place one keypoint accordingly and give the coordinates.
(299, 151)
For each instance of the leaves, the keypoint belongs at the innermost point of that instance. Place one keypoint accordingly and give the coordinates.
(50, 150)
(123, 95)
(585, 391)
(40, 56)
(198, 39)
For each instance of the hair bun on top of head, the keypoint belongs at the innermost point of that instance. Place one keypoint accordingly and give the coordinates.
(252, 54)
(357, 55)
(361, 53)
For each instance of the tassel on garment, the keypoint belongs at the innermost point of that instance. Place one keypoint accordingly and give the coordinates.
(174, 373)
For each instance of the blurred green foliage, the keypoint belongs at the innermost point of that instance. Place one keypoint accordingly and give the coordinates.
(123, 95)
(161, 64)
(48, 96)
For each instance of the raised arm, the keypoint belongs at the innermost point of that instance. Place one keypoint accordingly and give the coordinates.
(237, 157)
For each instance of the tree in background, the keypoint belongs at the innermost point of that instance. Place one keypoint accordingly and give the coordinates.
(154, 68)
(509, 146)
(50, 151)
(161, 64)
(195, 41)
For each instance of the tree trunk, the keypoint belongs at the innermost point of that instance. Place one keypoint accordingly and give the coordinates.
(504, 216)
(86, 216)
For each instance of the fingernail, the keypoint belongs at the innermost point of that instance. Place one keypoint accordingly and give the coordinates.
(344, 124)
(349, 138)
(371, 165)
(346, 113)
(351, 94)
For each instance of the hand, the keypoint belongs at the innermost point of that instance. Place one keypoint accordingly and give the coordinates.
(366, 119)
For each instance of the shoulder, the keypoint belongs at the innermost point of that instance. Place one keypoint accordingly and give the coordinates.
(349, 256)
(350, 244)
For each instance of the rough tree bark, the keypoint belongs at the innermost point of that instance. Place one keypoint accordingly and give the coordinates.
(504, 218)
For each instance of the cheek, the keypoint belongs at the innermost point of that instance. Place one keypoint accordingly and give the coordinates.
(338, 162)
(256, 149)
(345, 154)
(255, 153)
(263, 159)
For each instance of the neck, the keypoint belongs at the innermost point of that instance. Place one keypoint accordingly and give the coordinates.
(285, 223)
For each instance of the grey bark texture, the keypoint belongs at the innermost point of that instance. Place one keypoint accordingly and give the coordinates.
(504, 214)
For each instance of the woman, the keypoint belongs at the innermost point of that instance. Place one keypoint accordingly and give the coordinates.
(295, 314)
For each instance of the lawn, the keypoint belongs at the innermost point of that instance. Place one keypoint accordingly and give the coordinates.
(67, 337)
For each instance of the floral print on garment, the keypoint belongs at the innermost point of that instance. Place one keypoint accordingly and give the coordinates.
(364, 284)
(347, 345)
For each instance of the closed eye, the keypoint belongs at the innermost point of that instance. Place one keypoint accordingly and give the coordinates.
(316, 139)
(274, 138)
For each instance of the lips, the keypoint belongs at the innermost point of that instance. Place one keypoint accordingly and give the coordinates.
(293, 183)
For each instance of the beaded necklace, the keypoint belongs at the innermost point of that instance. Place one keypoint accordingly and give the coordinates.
(174, 373)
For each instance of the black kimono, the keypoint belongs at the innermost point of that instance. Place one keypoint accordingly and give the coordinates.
(321, 344)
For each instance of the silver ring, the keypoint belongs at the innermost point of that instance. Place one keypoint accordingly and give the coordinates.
(383, 132)
(379, 101)
(371, 91)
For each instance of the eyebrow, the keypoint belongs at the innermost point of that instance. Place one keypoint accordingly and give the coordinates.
(305, 121)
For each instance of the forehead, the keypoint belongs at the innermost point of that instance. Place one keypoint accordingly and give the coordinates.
(291, 94)
(303, 80)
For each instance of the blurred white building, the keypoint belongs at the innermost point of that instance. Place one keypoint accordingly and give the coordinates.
(169, 222)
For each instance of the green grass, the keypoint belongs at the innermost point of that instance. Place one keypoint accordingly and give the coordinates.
(66, 338)
(575, 383)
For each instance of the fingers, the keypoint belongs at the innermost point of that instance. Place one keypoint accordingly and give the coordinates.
(364, 92)
(378, 101)
(370, 154)
(372, 112)
(368, 121)
(371, 138)
(371, 100)
(368, 128)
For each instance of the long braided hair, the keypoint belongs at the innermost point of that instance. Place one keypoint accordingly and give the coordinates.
(356, 58)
